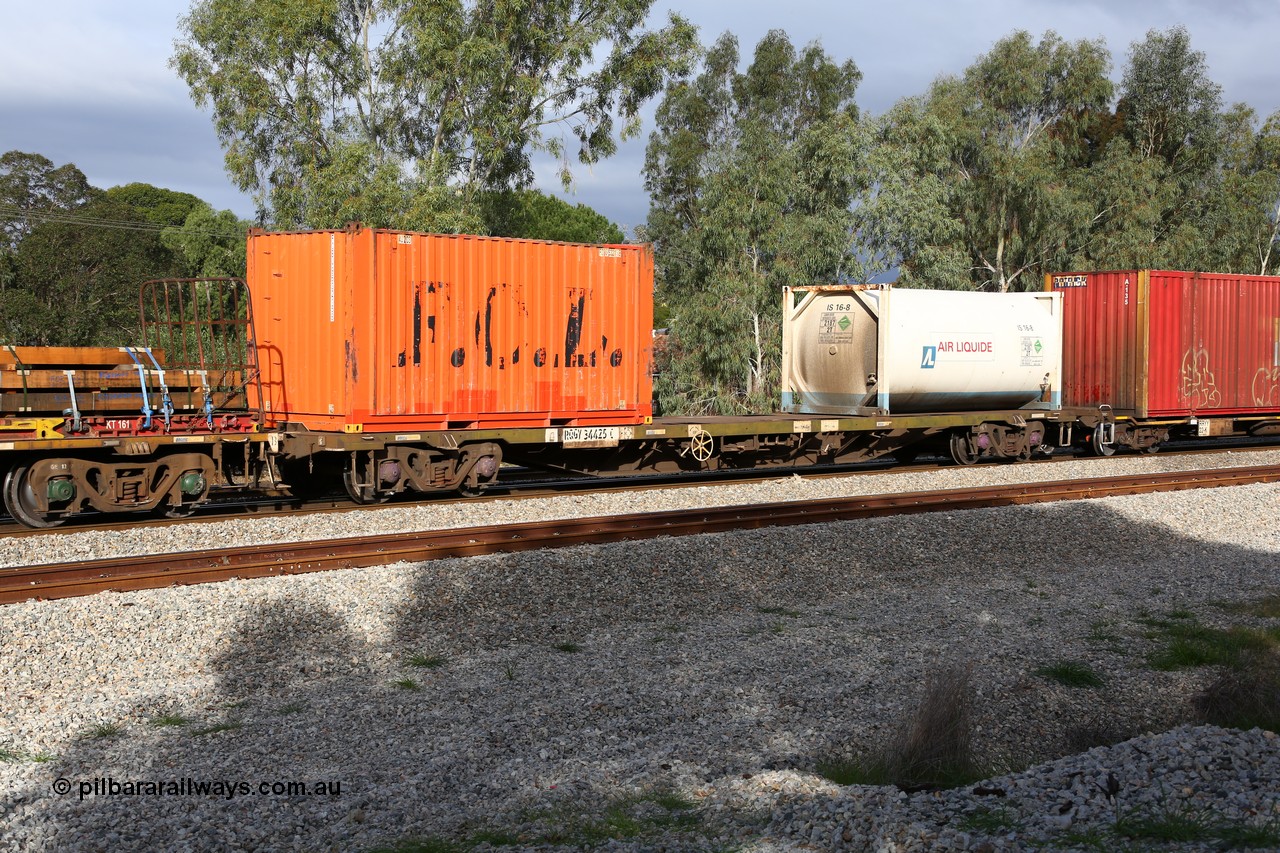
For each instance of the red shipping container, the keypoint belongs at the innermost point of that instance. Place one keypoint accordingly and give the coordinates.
(1156, 344)
(374, 330)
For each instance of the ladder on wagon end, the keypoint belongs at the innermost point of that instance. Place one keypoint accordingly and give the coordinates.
(205, 326)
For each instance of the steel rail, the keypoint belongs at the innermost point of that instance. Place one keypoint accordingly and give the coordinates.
(64, 580)
(232, 510)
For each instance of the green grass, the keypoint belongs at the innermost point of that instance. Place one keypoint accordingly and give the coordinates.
(867, 771)
(1071, 673)
(165, 720)
(567, 647)
(104, 731)
(1267, 607)
(1090, 839)
(407, 684)
(1170, 824)
(991, 821)
(1247, 692)
(14, 756)
(877, 770)
(1188, 644)
(291, 708)
(1102, 633)
(1167, 825)
(622, 819)
(1264, 836)
(427, 661)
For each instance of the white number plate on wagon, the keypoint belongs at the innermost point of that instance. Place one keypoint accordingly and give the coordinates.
(589, 436)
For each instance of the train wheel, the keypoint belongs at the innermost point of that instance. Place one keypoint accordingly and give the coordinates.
(1096, 447)
(20, 499)
(961, 452)
(361, 494)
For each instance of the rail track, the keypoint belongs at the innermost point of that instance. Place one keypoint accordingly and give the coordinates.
(537, 486)
(65, 580)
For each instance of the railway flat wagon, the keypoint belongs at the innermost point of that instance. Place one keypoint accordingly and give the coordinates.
(1173, 352)
(371, 330)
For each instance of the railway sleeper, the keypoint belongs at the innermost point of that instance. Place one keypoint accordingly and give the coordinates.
(43, 492)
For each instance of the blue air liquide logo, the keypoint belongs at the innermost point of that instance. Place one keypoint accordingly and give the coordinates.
(957, 349)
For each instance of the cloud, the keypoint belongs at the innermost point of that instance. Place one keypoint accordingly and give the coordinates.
(88, 82)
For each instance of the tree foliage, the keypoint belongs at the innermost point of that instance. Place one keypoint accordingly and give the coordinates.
(77, 254)
(208, 243)
(751, 176)
(77, 284)
(1025, 164)
(399, 112)
(534, 215)
(30, 185)
(979, 183)
(156, 205)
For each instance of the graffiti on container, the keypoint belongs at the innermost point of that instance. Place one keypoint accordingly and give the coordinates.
(1198, 384)
(484, 322)
(1266, 386)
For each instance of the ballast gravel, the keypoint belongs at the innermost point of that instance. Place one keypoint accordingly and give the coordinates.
(666, 695)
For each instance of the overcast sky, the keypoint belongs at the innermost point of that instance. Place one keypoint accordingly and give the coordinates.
(88, 82)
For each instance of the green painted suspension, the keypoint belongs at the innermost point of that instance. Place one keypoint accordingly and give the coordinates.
(192, 483)
(61, 491)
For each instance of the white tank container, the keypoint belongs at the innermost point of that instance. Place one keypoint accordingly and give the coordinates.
(876, 349)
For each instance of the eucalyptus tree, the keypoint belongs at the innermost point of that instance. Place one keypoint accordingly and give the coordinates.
(978, 183)
(751, 175)
(30, 185)
(1172, 109)
(208, 243)
(77, 277)
(535, 215)
(398, 112)
(1240, 223)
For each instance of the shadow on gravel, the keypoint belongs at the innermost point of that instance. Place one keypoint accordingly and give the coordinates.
(549, 684)
(279, 645)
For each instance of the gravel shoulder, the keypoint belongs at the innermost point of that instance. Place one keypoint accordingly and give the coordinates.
(674, 694)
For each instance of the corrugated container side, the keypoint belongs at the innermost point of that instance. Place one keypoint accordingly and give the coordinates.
(452, 330)
(300, 286)
(1103, 347)
(1220, 353)
(1171, 344)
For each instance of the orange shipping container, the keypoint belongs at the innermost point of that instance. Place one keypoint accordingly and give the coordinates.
(375, 330)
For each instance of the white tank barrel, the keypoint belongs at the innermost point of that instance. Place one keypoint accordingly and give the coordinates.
(876, 349)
